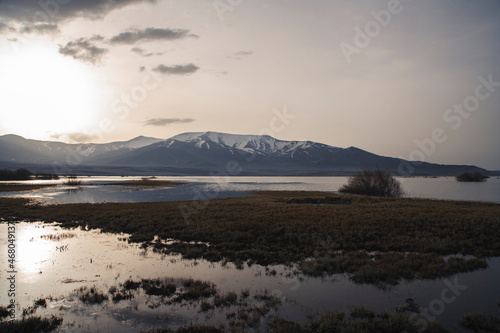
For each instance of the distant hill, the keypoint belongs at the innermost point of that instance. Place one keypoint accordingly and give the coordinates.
(206, 153)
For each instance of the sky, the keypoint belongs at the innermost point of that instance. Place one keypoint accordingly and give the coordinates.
(418, 80)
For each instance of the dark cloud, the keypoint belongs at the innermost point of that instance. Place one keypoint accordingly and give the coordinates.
(177, 69)
(76, 137)
(167, 121)
(149, 34)
(143, 53)
(60, 10)
(240, 55)
(84, 50)
(3, 26)
(40, 28)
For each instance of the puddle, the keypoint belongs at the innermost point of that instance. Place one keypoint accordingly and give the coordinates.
(53, 263)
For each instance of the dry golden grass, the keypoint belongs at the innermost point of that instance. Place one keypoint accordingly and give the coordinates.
(23, 187)
(324, 233)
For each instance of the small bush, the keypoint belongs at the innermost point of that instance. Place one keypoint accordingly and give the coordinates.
(72, 181)
(471, 177)
(377, 183)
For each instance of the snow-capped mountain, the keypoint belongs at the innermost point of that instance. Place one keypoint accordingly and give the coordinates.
(16, 149)
(254, 144)
(201, 154)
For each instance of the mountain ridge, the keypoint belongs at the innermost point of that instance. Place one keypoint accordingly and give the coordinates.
(202, 153)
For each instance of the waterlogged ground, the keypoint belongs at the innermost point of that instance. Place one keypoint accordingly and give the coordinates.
(93, 189)
(53, 264)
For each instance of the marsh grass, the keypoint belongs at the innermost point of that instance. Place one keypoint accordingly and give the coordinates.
(4, 312)
(189, 329)
(375, 240)
(386, 269)
(471, 177)
(480, 323)
(31, 324)
(58, 237)
(23, 187)
(360, 319)
(73, 182)
(243, 311)
(120, 294)
(146, 182)
(91, 295)
(157, 287)
(195, 290)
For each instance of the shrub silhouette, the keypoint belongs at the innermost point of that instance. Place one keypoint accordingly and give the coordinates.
(19, 174)
(471, 177)
(72, 181)
(377, 183)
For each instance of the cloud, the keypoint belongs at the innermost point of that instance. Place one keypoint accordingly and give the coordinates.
(3, 26)
(58, 11)
(149, 34)
(143, 53)
(177, 69)
(84, 50)
(240, 55)
(167, 121)
(77, 137)
(40, 28)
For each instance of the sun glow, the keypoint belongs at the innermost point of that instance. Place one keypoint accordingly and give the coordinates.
(44, 93)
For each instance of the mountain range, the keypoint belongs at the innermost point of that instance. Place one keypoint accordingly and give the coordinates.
(206, 153)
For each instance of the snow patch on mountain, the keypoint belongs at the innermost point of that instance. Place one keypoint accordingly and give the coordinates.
(260, 144)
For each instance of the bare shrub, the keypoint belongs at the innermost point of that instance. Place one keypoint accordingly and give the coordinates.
(377, 183)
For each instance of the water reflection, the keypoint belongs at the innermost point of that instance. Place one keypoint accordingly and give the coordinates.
(74, 190)
(93, 189)
(104, 260)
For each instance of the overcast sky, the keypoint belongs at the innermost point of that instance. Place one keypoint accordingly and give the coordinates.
(410, 79)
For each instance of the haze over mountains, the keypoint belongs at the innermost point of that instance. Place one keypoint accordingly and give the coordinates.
(203, 154)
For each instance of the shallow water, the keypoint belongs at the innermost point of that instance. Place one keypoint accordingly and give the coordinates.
(201, 188)
(91, 258)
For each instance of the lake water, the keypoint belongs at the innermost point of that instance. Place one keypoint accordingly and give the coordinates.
(98, 260)
(101, 260)
(197, 188)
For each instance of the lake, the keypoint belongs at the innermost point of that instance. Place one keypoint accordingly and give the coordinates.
(201, 188)
(101, 261)
(54, 263)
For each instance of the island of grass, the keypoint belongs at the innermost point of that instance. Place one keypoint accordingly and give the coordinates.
(378, 241)
(471, 177)
(146, 182)
(16, 187)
